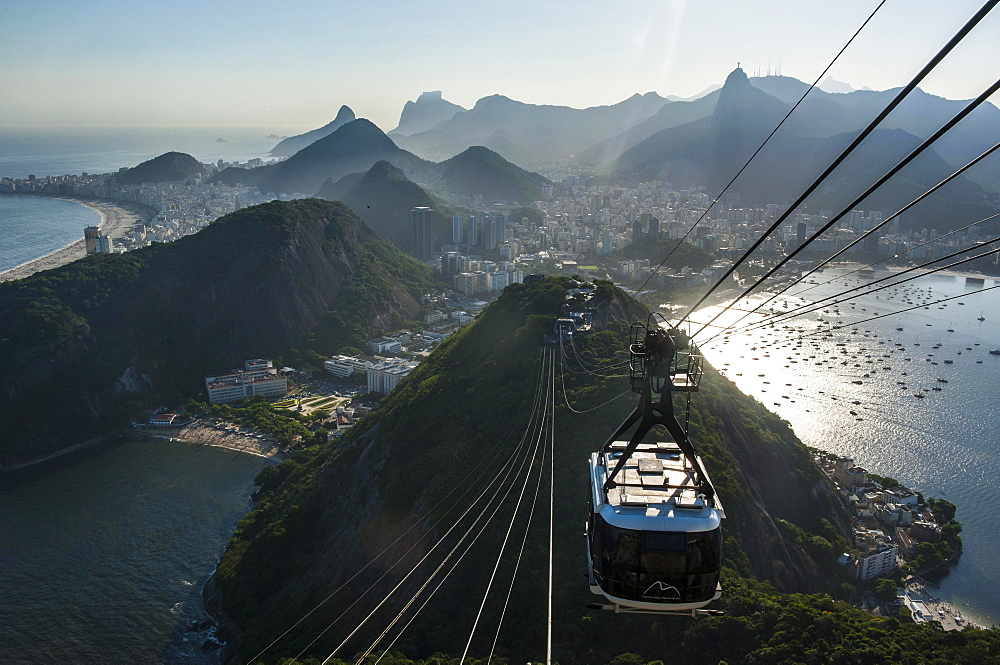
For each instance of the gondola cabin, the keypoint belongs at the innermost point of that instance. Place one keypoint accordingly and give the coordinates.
(563, 331)
(654, 539)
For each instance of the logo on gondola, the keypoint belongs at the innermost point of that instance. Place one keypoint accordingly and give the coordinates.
(661, 591)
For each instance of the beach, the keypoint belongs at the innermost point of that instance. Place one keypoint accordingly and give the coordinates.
(247, 441)
(116, 219)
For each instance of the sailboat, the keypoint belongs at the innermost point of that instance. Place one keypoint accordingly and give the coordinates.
(981, 317)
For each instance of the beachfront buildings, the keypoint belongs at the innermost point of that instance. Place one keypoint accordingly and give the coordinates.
(876, 563)
(258, 377)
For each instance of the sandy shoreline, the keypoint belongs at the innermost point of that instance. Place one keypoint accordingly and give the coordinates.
(248, 442)
(116, 219)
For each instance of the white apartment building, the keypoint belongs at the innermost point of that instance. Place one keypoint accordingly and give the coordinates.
(344, 366)
(384, 376)
(876, 563)
(385, 345)
(259, 377)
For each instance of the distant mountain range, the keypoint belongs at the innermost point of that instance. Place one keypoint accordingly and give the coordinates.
(530, 134)
(710, 150)
(700, 141)
(352, 148)
(292, 144)
(537, 135)
(429, 111)
(168, 167)
(335, 164)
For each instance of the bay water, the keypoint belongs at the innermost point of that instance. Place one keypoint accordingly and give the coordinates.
(103, 555)
(853, 391)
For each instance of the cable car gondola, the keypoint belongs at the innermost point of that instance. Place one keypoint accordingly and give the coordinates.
(654, 535)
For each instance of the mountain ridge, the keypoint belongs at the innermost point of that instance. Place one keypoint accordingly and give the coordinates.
(257, 282)
(546, 132)
(352, 148)
(428, 111)
(168, 167)
(291, 145)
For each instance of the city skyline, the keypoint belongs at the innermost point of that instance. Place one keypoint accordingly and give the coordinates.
(252, 64)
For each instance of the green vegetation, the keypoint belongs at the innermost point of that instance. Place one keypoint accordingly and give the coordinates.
(885, 590)
(385, 198)
(326, 513)
(534, 215)
(93, 342)
(258, 413)
(763, 626)
(685, 254)
(931, 555)
(168, 167)
(480, 171)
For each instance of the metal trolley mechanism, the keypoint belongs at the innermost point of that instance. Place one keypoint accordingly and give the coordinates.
(654, 535)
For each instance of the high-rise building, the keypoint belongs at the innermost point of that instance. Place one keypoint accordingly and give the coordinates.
(800, 234)
(500, 223)
(489, 239)
(422, 221)
(636, 232)
(654, 229)
(450, 264)
(90, 235)
(457, 229)
(472, 231)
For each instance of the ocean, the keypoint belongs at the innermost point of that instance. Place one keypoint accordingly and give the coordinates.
(104, 554)
(944, 444)
(72, 151)
(33, 226)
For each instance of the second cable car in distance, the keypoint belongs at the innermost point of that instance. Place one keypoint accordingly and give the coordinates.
(654, 534)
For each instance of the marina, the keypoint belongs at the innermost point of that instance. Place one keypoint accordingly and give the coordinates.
(876, 390)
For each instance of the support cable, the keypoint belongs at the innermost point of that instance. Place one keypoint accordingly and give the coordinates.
(908, 309)
(926, 144)
(798, 294)
(441, 583)
(839, 297)
(552, 501)
(508, 464)
(761, 147)
(562, 379)
(481, 467)
(510, 527)
(896, 101)
(433, 576)
(520, 554)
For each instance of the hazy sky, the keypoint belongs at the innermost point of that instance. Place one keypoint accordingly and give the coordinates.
(292, 64)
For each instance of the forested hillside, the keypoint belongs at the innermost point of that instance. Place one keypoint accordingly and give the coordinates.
(89, 343)
(339, 515)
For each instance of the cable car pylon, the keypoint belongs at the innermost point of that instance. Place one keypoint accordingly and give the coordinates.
(654, 536)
